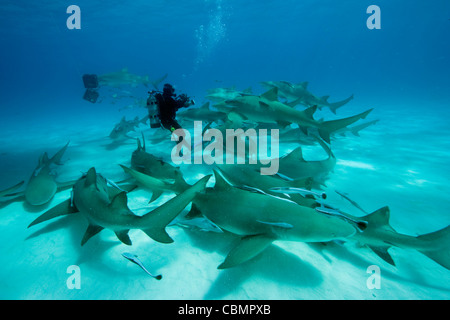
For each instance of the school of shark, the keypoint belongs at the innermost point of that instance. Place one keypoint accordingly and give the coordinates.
(237, 199)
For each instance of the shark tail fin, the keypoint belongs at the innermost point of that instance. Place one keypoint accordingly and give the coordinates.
(336, 105)
(154, 223)
(440, 246)
(328, 127)
(64, 208)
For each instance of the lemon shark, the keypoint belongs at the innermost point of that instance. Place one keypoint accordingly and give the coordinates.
(105, 207)
(154, 166)
(259, 219)
(379, 236)
(300, 94)
(122, 128)
(294, 166)
(266, 108)
(155, 185)
(123, 77)
(42, 186)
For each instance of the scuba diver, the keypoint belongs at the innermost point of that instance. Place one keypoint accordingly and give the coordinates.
(165, 105)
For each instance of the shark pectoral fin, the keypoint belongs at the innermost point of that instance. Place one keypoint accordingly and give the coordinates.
(245, 250)
(91, 178)
(91, 231)
(264, 104)
(383, 254)
(123, 237)
(158, 234)
(439, 243)
(61, 209)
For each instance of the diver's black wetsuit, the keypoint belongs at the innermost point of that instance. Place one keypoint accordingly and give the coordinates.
(168, 107)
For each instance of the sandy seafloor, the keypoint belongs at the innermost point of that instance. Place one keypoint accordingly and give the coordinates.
(402, 162)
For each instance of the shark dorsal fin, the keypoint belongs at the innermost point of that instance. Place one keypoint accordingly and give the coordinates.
(379, 217)
(221, 183)
(325, 98)
(119, 201)
(303, 84)
(139, 145)
(271, 95)
(91, 178)
(248, 90)
(310, 112)
(295, 155)
(282, 225)
(43, 159)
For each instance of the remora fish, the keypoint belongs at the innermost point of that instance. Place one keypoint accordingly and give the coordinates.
(134, 258)
(106, 207)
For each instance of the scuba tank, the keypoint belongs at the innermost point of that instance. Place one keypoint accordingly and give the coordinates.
(153, 111)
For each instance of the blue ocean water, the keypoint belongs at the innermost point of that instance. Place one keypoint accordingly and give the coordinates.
(400, 70)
